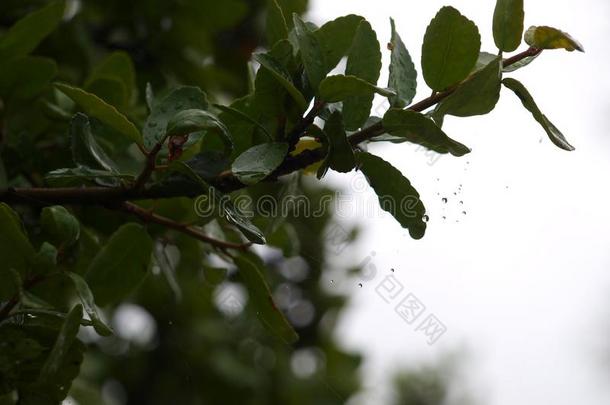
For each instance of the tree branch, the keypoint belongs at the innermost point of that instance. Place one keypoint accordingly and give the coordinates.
(226, 182)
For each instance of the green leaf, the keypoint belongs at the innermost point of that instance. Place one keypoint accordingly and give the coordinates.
(86, 152)
(45, 260)
(117, 66)
(94, 106)
(84, 176)
(476, 96)
(336, 38)
(15, 250)
(180, 99)
(86, 298)
(23, 37)
(528, 102)
(243, 117)
(311, 53)
(508, 24)
(26, 77)
(339, 87)
(61, 226)
(451, 48)
(65, 339)
(416, 128)
(251, 271)
(396, 195)
(282, 76)
(189, 121)
(223, 204)
(259, 161)
(551, 38)
(121, 264)
(403, 76)
(277, 29)
(363, 61)
(340, 153)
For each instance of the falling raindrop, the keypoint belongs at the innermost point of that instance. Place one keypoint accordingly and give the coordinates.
(461, 202)
(426, 218)
(444, 200)
(444, 217)
(360, 285)
(392, 270)
(464, 212)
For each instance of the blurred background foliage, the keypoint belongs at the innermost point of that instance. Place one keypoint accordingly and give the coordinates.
(185, 337)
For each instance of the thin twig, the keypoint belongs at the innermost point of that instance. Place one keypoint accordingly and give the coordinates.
(148, 216)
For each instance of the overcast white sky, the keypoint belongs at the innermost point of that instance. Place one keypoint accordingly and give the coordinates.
(522, 281)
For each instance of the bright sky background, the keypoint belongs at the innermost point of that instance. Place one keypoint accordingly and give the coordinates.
(522, 280)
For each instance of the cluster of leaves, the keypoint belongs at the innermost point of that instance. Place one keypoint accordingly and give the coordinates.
(150, 159)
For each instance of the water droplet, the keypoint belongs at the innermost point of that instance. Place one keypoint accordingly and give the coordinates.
(454, 193)
(360, 285)
(426, 218)
(444, 217)
(332, 281)
(392, 270)
(444, 200)
(461, 202)
(464, 212)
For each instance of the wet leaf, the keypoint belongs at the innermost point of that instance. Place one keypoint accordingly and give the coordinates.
(396, 194)
(528, 102)
(311, 52)
(508, 24)
(283, 77)
(251, 270)
(336, 38)
(403, 76)
(416, 128)
(59, 225)
(86, 298)
(15, 250)
(364, 62)
(476, 96)
(23, 37)
(180, 99)
(277, 29)
(451, 48)
(340, 154)
(125, 257)
(86, 151)
(259, 161)
(94, 106)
